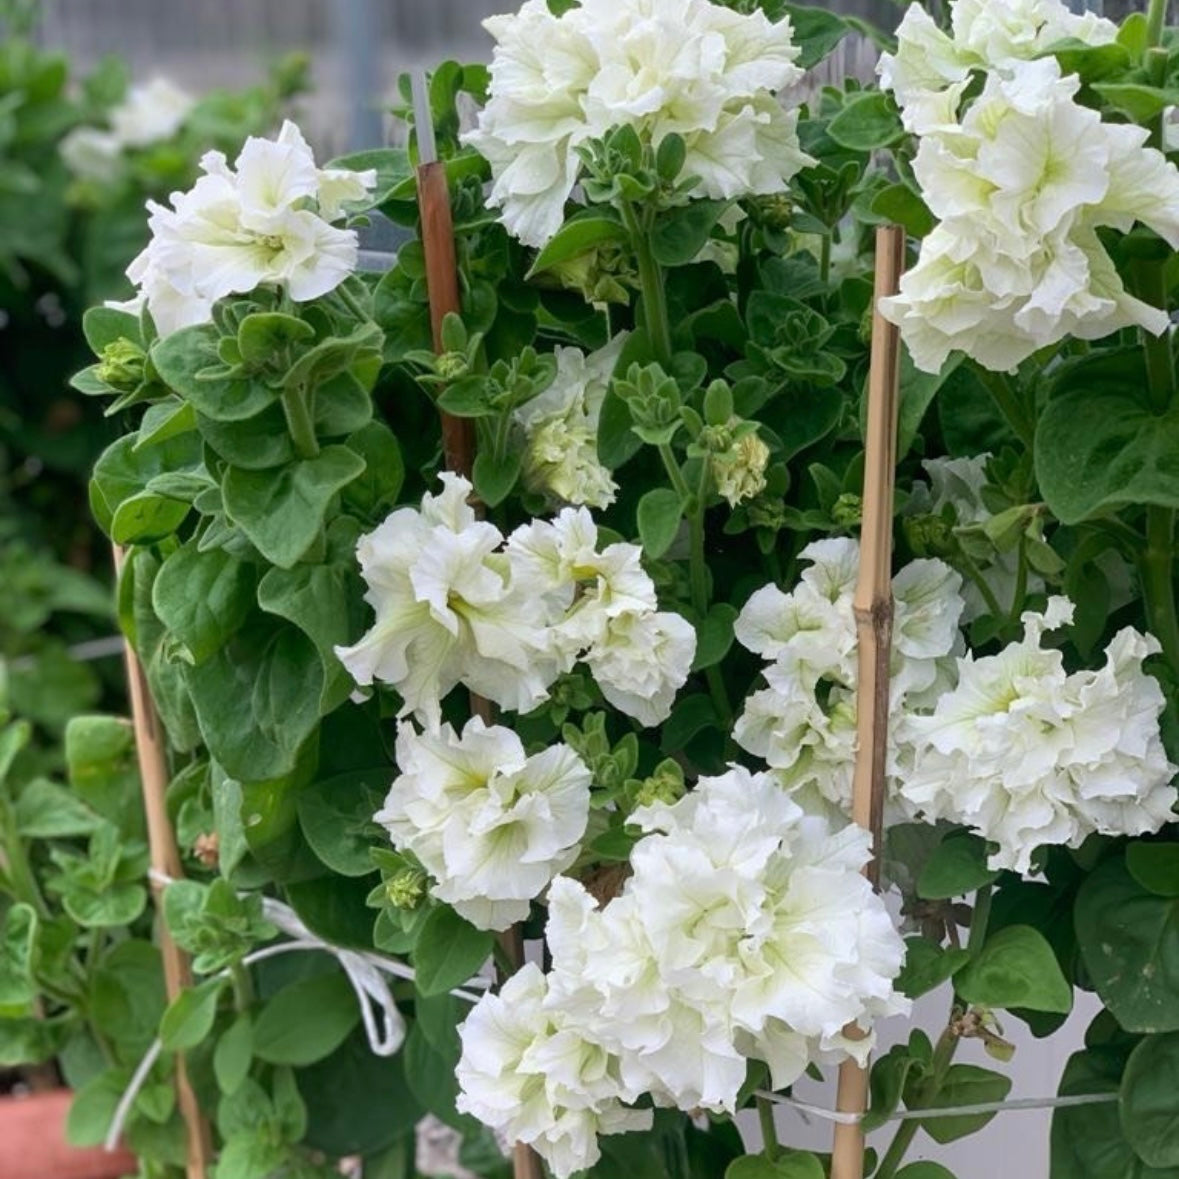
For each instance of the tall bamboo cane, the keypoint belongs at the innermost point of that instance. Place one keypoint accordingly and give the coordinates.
(458, 435)
(165, 862)
(874, 615)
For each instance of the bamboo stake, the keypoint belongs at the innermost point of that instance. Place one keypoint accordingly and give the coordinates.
(458, 434)
(874, 616)
(165, 861)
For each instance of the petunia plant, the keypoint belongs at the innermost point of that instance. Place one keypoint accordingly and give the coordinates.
(596, 695)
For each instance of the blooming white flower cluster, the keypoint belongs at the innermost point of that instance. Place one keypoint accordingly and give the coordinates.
(560, 428)
(1020, 182)
(456, 604)
(687, 67)
(265, 220)
(491, 825)
(804, 723)
(148, 114)
(1027, 754)
(745, 932)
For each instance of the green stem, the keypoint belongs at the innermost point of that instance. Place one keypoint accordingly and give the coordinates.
(943, 1054)
(672, 467)
(1016, 414)
(352, 303)
(1150, 285)
(296, 406)
(1156, 16)
(243, 986)
(1158, 584)
(968, 566)
(651, 283)
(701, 597)
(14, 861)
(979, 920)
(825, 258)
(1021, 582)
(769, 1131)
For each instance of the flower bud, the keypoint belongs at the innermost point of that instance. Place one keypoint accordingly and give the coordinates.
(665, 785)
(121, 365)
(848, 510)
(406, 889)
(930, 536)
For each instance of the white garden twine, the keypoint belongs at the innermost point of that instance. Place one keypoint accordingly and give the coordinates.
(366, 972)
(384, 1026)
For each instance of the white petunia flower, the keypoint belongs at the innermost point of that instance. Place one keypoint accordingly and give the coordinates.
(238, 228)
(641, 661)
(745, 931)
(533, 1078)
(92, 154)
(560, 428)
(687, 67)
(1027, 754)
(491, 825)
(449, 612)
(803, 724)
(1021, 182)
(150, 113)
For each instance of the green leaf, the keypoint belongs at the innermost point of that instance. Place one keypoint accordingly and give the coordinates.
(658, 517)
(45, 810)
(127, 997)
(202, 598)
(257, 699)
(918, 389)
(1015, 968)
(870, 120)
(181, 360)
(372, 493)
(431, 1079)
(691, 715)
(927, 966)
(233, 1054)
(1091, 62)
(326, 602)
(1099, 445)
(146, 518)
(262, 334)
(336, 815)
(1141, 103)
(18, 943)
(714, 636)
(887, 1083)
(1149, 1100)
(449, 951)
(958, 866)
(1087, 1141)
(124, 471)
(681, 232)
(93, 1108)
(283, 1033)
(282, 511)
(965, 1084)
(1129, 941)
(1155, 866)
(816, 32)
(902, 205)
(578, 236)
(391, 164)
(357, 1102)
(333, 907)
(104, 325)
(790, 1164)
(924, 1170)
(189, 1018)
(494, 478)
(164, 420)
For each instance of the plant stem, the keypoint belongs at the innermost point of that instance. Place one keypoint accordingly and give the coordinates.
(1002, 394)
(296, 407)
(701, 597)
(971, 569)
(674, 474)
(14, 861)
(943, 1054)
(352, 303)
(651, 283)
(1156, 16)
(825, 258)
(979, 920)
(243, 986)
(1150, 285)
(1158, 584)
(769, 1131)
(1021, 582)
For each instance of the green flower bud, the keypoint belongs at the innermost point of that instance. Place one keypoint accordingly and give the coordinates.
(121, 365)
(930, 536)
(450, 366)
(767, 512)
(775, 211)
(406, 889)
(665, 785)
(848, 510)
